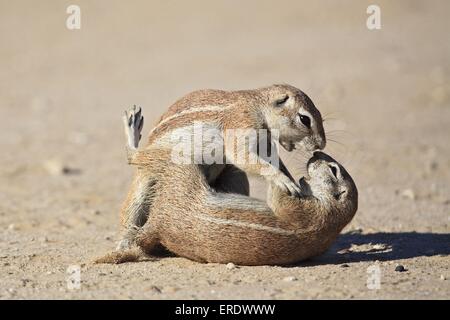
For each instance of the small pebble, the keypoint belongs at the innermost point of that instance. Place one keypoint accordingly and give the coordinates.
(400, 268)
(57, 168)
(12, 227)
(290, 279)
(43, 239)
(442, 277)
(231, 266)
(54, 167)
(432, 165)
(170, 289)
(379, 246)
(155, 289)
(344, 265)
(25, 282)
(409, 194)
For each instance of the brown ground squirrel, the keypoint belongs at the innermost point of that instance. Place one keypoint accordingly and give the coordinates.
(208, 226)
(283, 111)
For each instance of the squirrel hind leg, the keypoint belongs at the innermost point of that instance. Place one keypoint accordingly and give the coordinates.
(147, 240)
(137, 205)
(136, 209)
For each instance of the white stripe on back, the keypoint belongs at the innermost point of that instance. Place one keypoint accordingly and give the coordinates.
(191, 110)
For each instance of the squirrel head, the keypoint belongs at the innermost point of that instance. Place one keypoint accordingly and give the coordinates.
(292, 113)
(331, 184)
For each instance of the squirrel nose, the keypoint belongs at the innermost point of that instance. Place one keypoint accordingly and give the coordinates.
(321, 143)
(318, 154)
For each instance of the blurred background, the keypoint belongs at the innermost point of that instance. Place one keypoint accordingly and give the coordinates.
(385, 95)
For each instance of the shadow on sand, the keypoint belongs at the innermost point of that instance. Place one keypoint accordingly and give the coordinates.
(357, 247)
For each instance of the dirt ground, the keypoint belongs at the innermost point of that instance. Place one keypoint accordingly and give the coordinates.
(385, 95)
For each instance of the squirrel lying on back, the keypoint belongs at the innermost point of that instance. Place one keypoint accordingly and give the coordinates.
(191, 219)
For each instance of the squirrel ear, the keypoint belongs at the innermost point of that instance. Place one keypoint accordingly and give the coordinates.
(281, 100)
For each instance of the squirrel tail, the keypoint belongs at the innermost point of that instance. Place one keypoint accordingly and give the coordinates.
(121, 256)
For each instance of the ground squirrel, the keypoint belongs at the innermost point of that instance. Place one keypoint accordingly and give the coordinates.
(208, 226)
(278, 112)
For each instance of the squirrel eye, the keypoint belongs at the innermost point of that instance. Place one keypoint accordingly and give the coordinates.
(306, 121)
(281, 101)
(334, 171)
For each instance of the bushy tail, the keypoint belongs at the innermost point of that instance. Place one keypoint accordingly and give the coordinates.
(122, 256)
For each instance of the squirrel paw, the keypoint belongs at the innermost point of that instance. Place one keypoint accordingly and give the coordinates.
(133, 121)
(286, 184)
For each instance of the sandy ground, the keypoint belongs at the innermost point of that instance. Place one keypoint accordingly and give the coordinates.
(385, 95)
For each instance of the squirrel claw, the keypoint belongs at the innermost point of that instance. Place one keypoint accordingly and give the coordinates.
(133, 123)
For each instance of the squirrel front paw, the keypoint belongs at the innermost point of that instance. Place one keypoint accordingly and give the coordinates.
(133, 122)
(284, 183)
